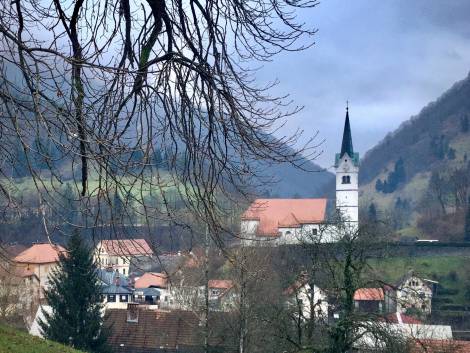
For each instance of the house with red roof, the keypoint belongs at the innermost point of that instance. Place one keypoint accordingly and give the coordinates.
(282, 221)
(39, 259)
(370, 300)
(118, 254)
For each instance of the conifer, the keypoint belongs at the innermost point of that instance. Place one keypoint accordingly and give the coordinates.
(74, 296)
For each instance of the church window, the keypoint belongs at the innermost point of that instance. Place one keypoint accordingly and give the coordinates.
(346, 179)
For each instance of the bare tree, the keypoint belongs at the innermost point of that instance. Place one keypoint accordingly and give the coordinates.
(111, 93)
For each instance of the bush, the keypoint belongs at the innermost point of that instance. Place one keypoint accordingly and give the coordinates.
(453, 276)
(441, 300)
(454, 307)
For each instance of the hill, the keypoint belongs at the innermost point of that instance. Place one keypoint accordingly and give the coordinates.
(395, 175)
(291, 182)
(14, 341)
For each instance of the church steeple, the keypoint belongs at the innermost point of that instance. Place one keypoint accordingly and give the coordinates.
(347, 177)
(347, 146)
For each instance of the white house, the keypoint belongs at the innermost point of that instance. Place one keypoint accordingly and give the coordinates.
(119, 253)
(294, 221)
(305, 301)
(414, 293)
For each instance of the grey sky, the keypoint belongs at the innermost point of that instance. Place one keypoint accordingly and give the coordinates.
(389, 58)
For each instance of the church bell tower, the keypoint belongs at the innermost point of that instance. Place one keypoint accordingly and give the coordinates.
(347, 177)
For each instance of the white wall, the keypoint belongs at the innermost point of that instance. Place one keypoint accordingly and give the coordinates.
(347, 195)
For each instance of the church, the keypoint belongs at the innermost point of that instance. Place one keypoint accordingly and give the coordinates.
(293, 221)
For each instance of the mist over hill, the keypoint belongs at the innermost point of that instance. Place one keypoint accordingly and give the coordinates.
(403, 174)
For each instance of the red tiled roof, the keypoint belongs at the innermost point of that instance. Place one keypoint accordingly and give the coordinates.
(284, 213)
(158, 330)
(220, 283)
(152, 279)
(369, 294)
(441, 346)
(399, 318)
(127, 247)
(40, 254)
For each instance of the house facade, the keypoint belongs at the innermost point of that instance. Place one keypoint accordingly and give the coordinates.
(40, 259)
(120, 253)
(306, 300)
(282, 221)
(152, 288)
(414, 293)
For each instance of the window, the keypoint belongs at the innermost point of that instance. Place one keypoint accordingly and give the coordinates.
(315, 231)
(123, 299)
(123, 271)
(346, 179)
(111, 298)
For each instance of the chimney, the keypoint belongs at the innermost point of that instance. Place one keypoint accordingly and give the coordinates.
(132, 312)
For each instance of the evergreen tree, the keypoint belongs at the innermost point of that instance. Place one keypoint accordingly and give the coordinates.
(379, 185)
(74, 295)
(372, 213)
(464, 125)
(467, 222)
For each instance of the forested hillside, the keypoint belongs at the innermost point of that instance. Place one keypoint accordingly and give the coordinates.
(419, 175)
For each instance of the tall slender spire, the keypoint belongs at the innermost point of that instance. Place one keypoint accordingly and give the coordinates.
(347, 146)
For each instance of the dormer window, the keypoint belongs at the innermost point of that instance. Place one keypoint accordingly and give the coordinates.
(346, 179)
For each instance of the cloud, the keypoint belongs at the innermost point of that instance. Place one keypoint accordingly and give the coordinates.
(388, 58)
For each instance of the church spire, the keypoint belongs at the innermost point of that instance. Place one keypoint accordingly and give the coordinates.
(347, 146)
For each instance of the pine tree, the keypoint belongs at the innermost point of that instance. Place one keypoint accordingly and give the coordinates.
(74, 295)
(372, 213)
(467, 222)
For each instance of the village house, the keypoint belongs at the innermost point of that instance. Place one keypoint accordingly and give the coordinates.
(19, 293)
(139, 329)
(414, 293)
(222, 294)
(294, 221)
(115, 289)
(305, 301)
(152, 288)
(369, 300)
(39, 259)
(118, 254)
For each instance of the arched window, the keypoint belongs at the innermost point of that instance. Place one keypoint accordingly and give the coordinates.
(346, 179)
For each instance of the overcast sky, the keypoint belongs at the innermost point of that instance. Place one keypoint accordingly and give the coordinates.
(388, 58)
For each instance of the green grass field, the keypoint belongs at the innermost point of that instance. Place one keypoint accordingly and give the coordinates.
(452, 272)
(14, 341)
